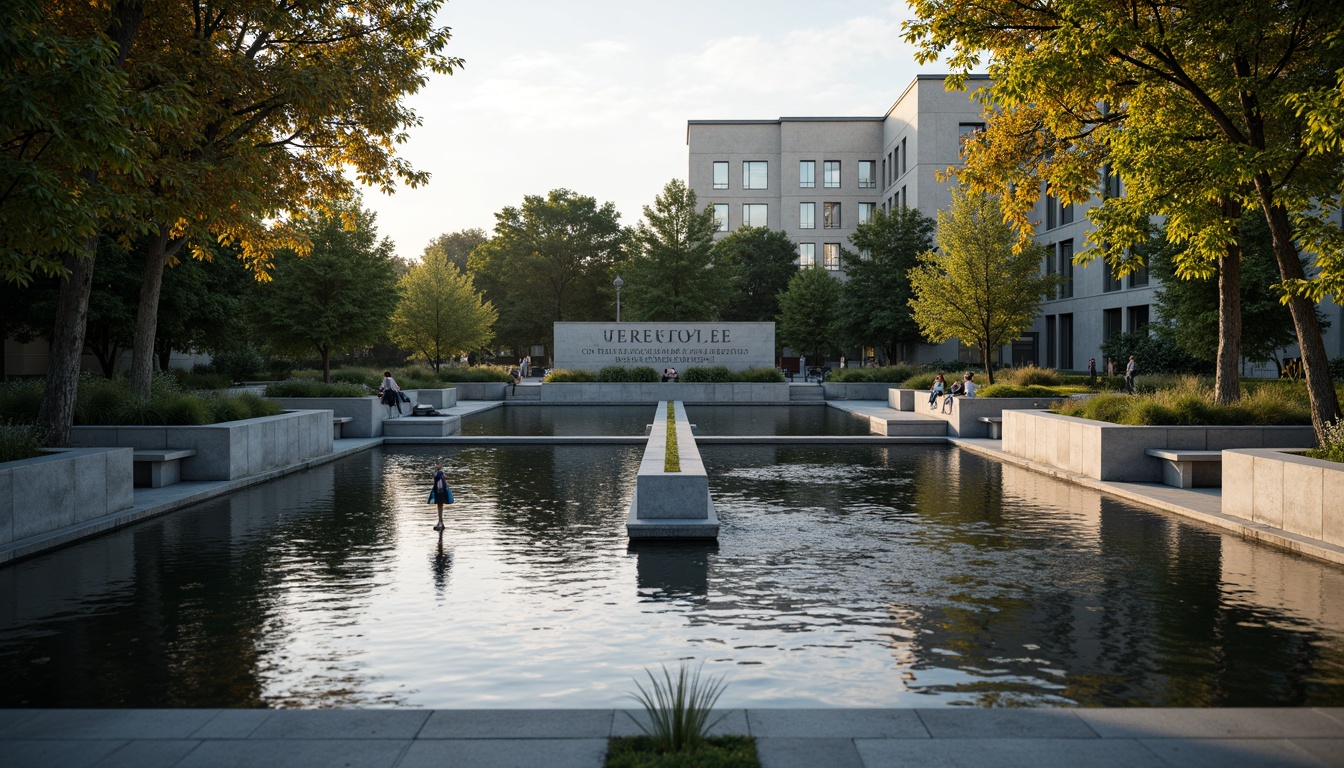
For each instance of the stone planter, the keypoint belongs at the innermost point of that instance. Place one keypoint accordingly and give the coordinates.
(671, 505)
(660, 392)
(857, 390)
(63, 488)
(1287, 491)
(229, 450)
(964, 420)
(439, 398)
(366, 414)
(1106, 451)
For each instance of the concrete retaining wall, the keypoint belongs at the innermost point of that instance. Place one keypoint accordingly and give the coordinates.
(439, 398)
(229, 450)
(1287, 491)
(857, 390)
(672, 504)
(1107, 451)
(964, 420)
(660, 392)
(62, 489)
(366, 414)
(480, 390)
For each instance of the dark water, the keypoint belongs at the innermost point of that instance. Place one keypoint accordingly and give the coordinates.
(901, 576)
(580, 420)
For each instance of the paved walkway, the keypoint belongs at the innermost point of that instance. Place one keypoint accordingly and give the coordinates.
(577, 738)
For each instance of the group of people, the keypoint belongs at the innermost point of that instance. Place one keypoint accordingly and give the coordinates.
(963, 388)
(670, 374)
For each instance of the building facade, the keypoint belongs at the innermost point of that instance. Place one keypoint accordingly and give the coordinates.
(818, 178)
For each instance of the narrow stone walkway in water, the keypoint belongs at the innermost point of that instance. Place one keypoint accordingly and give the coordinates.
(577, 738)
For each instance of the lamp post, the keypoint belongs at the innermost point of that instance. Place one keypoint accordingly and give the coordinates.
(618, 283)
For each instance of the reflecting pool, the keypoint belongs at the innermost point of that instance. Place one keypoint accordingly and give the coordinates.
(585, 420)
(855, 576)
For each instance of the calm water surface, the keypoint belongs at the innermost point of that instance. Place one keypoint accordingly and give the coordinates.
(580, 420)
(900, 576)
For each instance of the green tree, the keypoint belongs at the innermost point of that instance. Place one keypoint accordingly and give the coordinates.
(551, 259)
(1189, 304)
(985, 287)
(1202, 109)
(807, 312)
(671, 274)
(455, 247)
(874, 306)
(760, 262)
(440, 313)
(339, 296)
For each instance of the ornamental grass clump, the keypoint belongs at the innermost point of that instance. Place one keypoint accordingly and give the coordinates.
(312, 388)
(1188, 401)
(1332, 442)
(564, 376)
(1028, 375)
(19, 441)
(679, 709)
(671, 457)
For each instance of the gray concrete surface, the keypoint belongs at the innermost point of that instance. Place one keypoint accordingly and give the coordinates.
(577, 738)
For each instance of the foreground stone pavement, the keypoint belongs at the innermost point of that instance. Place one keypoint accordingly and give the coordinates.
(577, 738)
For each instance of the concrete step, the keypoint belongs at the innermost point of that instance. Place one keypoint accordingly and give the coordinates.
(422, 426)
(523, 393)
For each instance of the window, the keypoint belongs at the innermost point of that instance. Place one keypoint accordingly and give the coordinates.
(891, 168)
(886, 173)
(831, 174)
(1110, 322)
(753, 174)
(720, 174)
(807, 173)
(807, 215)
(867, 174)
(1138, 317)
(904, 199)
(753, 214)
(1112, 283)
(807, 255)
(1051, 340)
(1051, 206)
(1110, 182)
(1066, 342)
(1066, 214)
(905, 156)
(720, 217)
(1049, 271)
(1139, 277)
(1066, 269)
(866, 211)
(830, 254)
(966, 133)
(830, 215)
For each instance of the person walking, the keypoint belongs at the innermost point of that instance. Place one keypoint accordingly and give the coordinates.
(1129, 375)
(390, 394)
(440, 493)
(1092, 370)
(939, 386)
(527, 366)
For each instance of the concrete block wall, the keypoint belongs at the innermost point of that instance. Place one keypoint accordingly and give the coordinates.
(1107, 451)
(964, 420)
(62, 489)
(660, 392)
(856, 390)
(366, 414)
(439, 398)
(1284, 490)
(480, 390)
(228, 450)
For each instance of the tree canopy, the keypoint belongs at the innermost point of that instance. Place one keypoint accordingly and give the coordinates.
(807, 312)
(671, 274)
(440, 313)
(338, 296)
(874, 308)
(978, 287)
(758, 264)
(454, 247)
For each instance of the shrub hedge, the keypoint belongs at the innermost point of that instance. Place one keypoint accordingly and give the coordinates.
(893, 374)
(1190, 402)
(314, 388)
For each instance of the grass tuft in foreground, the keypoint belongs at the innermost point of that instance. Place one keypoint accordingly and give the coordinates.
(679, 708)
(714, 752)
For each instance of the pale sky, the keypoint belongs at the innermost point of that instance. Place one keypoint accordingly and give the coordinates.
(594, 95)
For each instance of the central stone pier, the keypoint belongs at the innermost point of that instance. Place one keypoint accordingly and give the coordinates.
(672, 505)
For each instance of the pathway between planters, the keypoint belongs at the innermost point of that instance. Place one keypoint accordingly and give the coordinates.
(577, 738)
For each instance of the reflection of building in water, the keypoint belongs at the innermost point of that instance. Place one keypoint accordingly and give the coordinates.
(1299, 588)
(673, 569)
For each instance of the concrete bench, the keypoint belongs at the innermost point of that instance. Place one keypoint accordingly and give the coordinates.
(336, 423)
(995, 426)
(155, 469)
(1188, 469)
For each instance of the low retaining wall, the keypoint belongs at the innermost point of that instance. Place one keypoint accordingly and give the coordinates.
(61, 489)
(1106, 451)
(366, 414)
(439, 398)
(228, 450)
(671, 504)
(964, 420)
(857, 390)
(481, 390)
(1283, 490)
(661, 392)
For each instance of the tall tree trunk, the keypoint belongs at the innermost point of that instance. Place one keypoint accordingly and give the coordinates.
(1227, 383)
(56, 415)
(160, 249)
(326, 363)
(1315, 364)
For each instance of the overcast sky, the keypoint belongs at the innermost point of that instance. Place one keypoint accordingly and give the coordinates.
(594, 95)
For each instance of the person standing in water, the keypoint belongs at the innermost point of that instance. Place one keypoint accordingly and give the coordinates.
(440, 493)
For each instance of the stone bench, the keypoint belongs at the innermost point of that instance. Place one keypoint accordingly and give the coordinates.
(336, 423)
(1188, 469)
(995, 426)
(155, 469)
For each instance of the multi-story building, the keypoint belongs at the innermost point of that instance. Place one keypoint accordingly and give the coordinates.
(817, 178)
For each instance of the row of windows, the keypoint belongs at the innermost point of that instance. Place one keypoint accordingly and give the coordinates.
(830, 256)
(756, 172)
(754, 215)
(1059, 332)
(894, 164)
(1059, 260)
